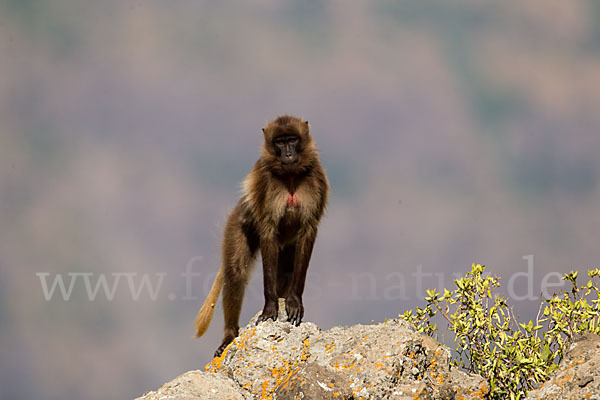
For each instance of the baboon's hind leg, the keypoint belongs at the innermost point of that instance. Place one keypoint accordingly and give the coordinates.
(239, 252)
(233, 296)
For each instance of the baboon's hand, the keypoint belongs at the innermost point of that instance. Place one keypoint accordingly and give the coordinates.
(295, 309)
(269, 312)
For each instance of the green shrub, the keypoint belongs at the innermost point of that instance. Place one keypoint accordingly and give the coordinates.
(514, 357)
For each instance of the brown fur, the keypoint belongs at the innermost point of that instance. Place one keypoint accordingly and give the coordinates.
(263, 220)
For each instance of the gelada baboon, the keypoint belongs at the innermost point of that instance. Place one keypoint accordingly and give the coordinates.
(284, 197)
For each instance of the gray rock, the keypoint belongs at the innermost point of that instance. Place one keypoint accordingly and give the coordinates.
(314, 382)
(389, 360)
(578, 376)
(198, 385)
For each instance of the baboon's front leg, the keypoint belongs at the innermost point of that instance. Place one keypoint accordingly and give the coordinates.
(293, 303)
(270, 253)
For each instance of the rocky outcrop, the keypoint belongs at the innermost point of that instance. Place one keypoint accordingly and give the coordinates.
(198, 385)
(275, 360)
(578, 376)
(390, 360)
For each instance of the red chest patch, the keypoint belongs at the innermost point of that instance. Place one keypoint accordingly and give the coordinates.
(292, 200)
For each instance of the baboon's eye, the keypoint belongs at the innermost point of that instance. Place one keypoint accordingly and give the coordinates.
(279, 142)
(293, 141)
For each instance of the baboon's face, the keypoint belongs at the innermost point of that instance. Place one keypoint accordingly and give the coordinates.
(288, 145)
(287, 149)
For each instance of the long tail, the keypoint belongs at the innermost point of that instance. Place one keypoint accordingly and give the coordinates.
(206, 312)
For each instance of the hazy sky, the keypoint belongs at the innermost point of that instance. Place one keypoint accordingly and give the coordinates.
(451, 134)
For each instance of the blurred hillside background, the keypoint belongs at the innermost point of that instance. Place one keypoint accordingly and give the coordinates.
(452, 133)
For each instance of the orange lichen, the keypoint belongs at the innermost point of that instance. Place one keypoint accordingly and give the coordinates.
(440, 378)
(282, 375)
(264, 394)
(483, 390)
(329, 347)
(459, 395)
(216, 362)
(240, 342)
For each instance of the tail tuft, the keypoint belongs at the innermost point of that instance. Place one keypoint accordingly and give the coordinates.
(206, 312)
